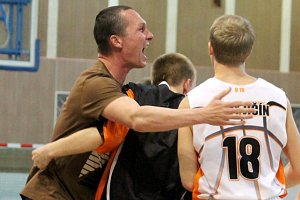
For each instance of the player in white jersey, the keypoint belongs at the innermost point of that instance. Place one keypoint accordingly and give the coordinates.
(239, 162)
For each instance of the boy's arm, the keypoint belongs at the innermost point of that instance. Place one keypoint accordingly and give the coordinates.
(81, 141)
(188, 164)
(292, 151)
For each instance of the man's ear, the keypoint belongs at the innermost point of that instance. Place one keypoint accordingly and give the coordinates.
(116, 41)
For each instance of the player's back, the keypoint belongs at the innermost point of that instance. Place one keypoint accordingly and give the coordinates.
(147, 166)
(238, 162)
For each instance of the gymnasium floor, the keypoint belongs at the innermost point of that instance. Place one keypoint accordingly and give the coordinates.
(12, 183)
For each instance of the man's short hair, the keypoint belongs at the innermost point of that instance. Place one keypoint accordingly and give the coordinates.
(232, 38)
(109, 22)
(173, 68)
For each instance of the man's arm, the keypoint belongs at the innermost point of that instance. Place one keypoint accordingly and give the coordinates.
(144, 118)
(150, 118)
(292, 150)
(187, 157)
(81, 141)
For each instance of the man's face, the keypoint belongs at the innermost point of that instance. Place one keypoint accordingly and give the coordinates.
(136, 40)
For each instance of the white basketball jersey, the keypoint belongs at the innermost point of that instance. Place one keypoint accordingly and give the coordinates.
(241, 162)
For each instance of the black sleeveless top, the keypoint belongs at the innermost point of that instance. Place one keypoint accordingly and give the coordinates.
(147, 166)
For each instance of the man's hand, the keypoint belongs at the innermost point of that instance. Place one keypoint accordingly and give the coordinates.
(41, 157)
(220, 113)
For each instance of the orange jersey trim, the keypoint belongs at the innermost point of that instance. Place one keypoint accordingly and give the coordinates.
(196, 184)
(114, 134)
(281, 178)
(104, 177)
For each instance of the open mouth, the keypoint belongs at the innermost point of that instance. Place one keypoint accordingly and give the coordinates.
(144, 52)
(144, 49)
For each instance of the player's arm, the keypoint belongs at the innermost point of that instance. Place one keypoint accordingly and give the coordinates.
(81, 141)
(149, 118)
(292, 150)
(186, 154)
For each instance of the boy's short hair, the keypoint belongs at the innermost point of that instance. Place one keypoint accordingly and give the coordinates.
(232, 38)
(172, 68)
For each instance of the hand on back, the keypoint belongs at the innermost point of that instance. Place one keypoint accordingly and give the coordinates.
(227, 113)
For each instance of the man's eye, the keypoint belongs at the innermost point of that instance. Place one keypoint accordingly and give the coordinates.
(142, 29)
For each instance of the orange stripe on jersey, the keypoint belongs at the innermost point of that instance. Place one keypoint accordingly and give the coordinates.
(104, 177)
(280, 173)
(281, 178)
(114, 133)
(130, 93)
(198, 175)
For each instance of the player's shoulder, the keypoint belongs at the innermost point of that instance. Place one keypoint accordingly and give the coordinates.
(270, 86)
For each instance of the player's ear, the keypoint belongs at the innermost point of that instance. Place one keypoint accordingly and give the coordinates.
(116, 41)
(187, 86)
(210, 49)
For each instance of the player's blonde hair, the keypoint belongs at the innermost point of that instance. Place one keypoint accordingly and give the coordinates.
(232, 38)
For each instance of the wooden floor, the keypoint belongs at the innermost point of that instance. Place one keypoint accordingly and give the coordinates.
(12, 183)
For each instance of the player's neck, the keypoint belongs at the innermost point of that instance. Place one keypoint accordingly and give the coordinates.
(175, 89)
(233, 74)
